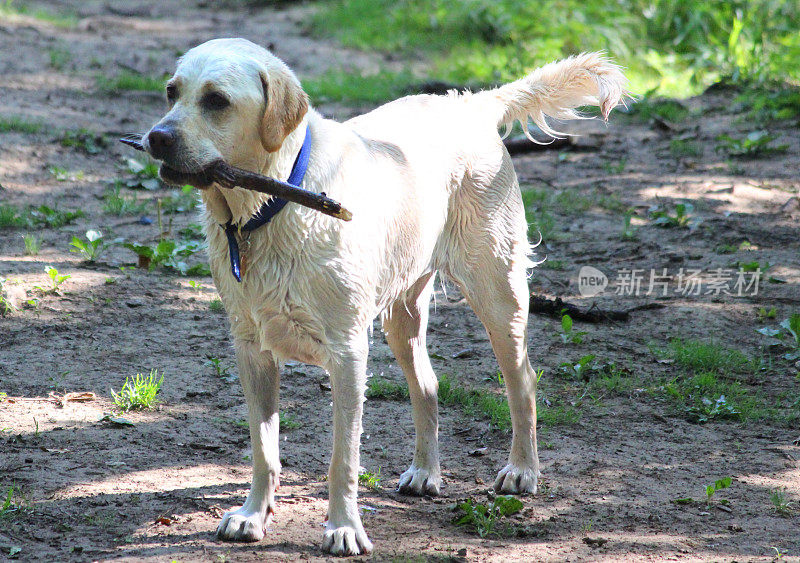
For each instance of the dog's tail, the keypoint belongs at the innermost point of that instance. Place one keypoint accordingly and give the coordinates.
(555, 90)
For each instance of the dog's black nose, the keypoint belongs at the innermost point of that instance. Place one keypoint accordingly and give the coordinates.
(161, 141)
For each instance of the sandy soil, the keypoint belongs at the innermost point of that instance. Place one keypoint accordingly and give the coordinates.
(90, 490)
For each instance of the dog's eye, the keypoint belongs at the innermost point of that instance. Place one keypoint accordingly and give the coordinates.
(172, 92)
(215, 101)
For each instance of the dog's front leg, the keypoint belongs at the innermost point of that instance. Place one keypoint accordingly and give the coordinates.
(344, 533)
(260, 379)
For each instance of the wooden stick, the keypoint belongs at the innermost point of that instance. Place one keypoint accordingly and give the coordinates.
(228, 176)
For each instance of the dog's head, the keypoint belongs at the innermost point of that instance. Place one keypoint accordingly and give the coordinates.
(229, 99)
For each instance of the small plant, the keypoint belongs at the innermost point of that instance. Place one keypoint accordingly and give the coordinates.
(569, 336)
(662, 218)
(168, 254)
(287, 422)
(754, 144)
(780, 501)
(708, 409)
(792, 326)
(180, 201)
(145, 174)
(49, 217)
(56, 280)
(14, 124)
(764, 313)
(63, 175)
(628, 230)
(10, 508)
(718, 485)
(370, 480)
(117, 204)
(582, 370)
(130, 81)
(682, 148)
(617, 168)
(84, 140)
(138, 392)
(91, 248)
(216, 305)
(483, 518)
(32, 244)
(386, 389)
(220, 370)
(6, 306)
(59, 58)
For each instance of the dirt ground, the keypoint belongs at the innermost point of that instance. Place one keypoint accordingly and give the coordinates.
(90, 490)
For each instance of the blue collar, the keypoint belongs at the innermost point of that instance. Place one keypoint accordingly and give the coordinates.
(268, 210)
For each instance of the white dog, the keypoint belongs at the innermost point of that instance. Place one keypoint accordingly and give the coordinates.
(431, 188)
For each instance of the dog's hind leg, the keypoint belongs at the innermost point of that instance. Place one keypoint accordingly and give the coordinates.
(405, 326)
(344, 532)
(260, 379)
(489, 262)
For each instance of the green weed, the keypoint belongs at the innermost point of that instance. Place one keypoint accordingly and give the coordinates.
(288, 422)
(6, 307)
(131, 81)
(661, 217)
(672, 111)
(370, 480)
(568, 335)
(91, 248)
(682, 148)
(615, 168)
(48, 217)
(220, 370)
(180, 201)
(59, 58)
(386, 389)
(628, 231)
(115, 203)
(355, 87)
(216, 305)
(56, 280)
(84, 140)
(170, 254)
(780, 501)
(138, 392)
(754, 144)
(61, 174)
(15, 124)
(32, 244)
(703, 356)
(145, 174)
(11, 507)
(10, 8)
(764, 313)
(484, 519)
(583, 369)
(718, 485)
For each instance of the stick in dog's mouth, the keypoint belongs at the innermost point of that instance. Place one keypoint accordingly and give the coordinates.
(228, 176)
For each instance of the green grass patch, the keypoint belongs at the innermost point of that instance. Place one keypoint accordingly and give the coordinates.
(354, 87)
(16, 124)
(676, 47)
(386, 389)
(138, 392)
(65, 19)
(42, 216)
(705, 356)
(131, 81)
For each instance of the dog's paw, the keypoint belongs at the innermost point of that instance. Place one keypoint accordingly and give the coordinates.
(516, 481)
(345, 540)
(419, 482)
(243, 525)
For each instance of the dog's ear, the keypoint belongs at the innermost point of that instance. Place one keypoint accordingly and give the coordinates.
(286, 104)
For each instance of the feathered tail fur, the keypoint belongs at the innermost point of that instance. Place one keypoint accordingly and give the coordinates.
(555, 90)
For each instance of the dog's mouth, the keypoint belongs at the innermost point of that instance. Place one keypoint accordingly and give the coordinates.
(201, 179)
